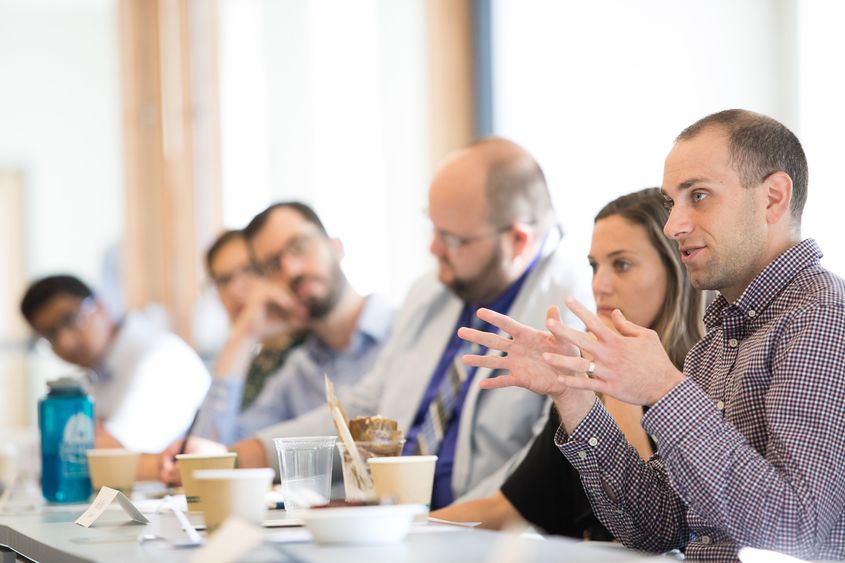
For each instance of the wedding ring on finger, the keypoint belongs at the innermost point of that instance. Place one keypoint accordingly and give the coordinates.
(591, 369)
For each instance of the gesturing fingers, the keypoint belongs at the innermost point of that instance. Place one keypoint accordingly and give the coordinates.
(575, 337)
(500, 321)
(569, 364)
(590, 320)
(486, 339)
(489, 361)
(499, 382)
(584, 384)
(623, 325)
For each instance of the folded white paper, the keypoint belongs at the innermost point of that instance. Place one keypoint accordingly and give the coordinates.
(102, 502)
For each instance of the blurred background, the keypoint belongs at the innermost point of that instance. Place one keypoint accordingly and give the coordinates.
(133, 131)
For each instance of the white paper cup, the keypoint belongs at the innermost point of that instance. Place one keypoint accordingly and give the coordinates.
(233, 492)
(305, 466)
(113, 467)
(405, 479)
(353, 489)
(188, 463)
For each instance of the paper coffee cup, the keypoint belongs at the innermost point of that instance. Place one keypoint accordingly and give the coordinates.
(113, 467)
(188, 463)
(404, 479)
(233, 492)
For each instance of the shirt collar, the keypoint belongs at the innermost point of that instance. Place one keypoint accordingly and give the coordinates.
(374, 324)
(376, 318)
(768, 283)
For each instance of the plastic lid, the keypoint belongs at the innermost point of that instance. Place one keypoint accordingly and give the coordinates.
(65, 384)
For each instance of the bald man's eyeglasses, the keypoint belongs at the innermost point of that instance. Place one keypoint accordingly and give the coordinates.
(455, 242)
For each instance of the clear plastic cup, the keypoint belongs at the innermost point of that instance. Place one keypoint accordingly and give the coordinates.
(305, 466)
(354, 489)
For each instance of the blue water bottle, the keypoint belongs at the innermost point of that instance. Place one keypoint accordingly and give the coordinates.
(66, 421)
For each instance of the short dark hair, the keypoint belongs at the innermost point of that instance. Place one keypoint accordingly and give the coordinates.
(219, 243)
(759, 146)
(45, 289)
(303, 209)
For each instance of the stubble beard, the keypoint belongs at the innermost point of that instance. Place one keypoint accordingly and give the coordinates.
(485, 286)
(319, 307)
(733, 265)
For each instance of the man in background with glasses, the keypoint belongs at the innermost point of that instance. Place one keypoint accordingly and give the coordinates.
(295, 285)
(497, 244)
(146, 382)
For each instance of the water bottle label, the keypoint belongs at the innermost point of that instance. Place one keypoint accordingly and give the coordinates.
(78, 437)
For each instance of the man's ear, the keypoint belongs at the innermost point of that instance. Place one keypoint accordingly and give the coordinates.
(521, 236)
(778, 186)
(337, 248)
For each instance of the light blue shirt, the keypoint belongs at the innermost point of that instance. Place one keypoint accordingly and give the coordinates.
(297, 387)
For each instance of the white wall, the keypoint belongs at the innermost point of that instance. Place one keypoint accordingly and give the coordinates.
(821, 103)
(60, 125)
(598, 90)
(325, 102)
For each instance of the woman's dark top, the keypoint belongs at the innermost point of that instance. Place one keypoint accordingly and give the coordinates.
(546, 490)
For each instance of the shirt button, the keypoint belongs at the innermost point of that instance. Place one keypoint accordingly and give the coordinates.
(593, 441)
(720, 405)
(582, 455)
(733, 342)
(705, 540)
(752, 313)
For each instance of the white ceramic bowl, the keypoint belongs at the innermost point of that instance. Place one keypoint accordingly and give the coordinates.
(369, 525)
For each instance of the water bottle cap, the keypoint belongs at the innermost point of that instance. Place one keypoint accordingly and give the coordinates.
(65, 384)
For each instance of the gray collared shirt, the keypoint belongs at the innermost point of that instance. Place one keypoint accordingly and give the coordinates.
(297, 387)
(752, 445)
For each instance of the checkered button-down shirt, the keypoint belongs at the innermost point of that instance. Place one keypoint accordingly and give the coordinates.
(752, 444)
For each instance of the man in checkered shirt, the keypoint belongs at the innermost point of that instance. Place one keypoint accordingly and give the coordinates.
(751, 436)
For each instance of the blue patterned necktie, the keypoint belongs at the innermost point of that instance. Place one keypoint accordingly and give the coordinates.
(441, 409)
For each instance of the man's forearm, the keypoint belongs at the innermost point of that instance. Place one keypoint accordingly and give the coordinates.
(251, 453)
(235, 357)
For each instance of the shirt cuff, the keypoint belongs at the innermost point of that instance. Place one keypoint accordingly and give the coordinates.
(595, 433)
(595, 448)
(678, 414)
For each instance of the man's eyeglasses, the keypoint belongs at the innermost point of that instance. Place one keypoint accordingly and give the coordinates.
(224, 281)
(297, 248)
(456, 242)
(72, 320)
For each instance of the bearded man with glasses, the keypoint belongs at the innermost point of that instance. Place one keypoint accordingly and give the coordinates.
(497, 244)
(295, 285)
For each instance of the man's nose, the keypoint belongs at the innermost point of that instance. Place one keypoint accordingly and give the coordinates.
(678, 223)
(438, 247)
(290, 270)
